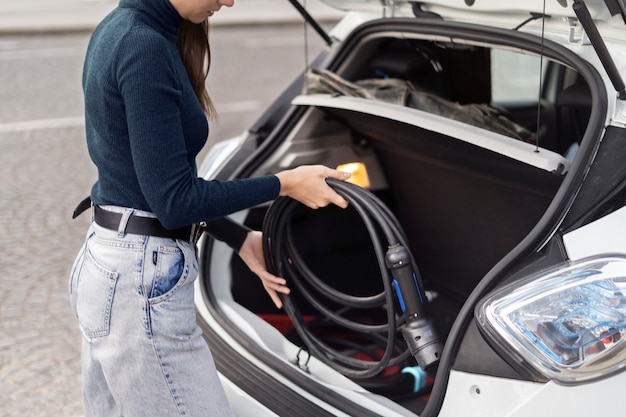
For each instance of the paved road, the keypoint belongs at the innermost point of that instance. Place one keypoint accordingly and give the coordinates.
(29, 16)
(45, 170)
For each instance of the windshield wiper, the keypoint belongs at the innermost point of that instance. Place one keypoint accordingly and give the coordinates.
(585, 19)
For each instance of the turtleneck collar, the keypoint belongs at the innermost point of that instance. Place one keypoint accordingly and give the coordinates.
(162, 11)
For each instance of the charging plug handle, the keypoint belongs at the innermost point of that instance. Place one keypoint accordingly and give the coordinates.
(418, 331)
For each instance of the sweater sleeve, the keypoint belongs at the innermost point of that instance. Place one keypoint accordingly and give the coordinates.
(228, 231)
(149, 79)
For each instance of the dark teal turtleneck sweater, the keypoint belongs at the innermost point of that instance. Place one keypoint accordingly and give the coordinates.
(145, 126)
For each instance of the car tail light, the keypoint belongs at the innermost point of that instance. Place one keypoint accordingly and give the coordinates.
(569, 324)
(218, 155)
(358, 171)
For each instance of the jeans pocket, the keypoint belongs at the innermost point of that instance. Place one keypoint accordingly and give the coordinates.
(95, 288)
(169, 272)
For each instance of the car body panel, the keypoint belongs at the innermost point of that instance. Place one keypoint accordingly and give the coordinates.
(486, 396)
(598, 237)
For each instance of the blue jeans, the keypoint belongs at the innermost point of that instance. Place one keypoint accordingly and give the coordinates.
(143, 353)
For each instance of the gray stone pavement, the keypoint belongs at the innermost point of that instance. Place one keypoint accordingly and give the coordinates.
(39, 342)
(40, 182)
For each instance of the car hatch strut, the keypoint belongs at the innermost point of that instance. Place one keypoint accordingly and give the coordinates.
(585, 19)
(312, 22)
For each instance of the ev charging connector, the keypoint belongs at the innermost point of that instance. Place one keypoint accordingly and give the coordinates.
(418, 331)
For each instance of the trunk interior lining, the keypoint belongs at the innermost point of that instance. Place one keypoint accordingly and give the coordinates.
(463, 207)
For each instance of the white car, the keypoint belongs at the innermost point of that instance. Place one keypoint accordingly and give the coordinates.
(480, 269)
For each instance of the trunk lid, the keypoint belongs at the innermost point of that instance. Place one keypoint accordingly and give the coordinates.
(601, 10)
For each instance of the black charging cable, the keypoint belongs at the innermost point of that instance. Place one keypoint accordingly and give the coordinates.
(402, 287)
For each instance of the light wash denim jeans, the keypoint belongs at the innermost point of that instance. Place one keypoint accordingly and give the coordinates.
(143, 353)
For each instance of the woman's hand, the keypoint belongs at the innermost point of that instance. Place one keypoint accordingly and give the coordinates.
(307, 184)
(251, 252)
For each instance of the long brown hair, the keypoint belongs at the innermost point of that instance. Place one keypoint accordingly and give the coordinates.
(193, 44)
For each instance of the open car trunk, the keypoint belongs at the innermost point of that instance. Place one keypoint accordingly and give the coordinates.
(467, 177)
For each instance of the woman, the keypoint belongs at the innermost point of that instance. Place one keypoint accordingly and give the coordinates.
(131, 286)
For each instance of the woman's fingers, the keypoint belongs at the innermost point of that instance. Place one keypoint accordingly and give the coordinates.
(307, 184)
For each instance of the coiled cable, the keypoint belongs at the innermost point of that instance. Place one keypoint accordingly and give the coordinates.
(283, 259)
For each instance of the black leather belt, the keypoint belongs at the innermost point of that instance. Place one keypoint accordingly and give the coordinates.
(148, 226)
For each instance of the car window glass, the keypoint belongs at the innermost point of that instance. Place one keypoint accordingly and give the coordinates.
(514, 77)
